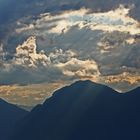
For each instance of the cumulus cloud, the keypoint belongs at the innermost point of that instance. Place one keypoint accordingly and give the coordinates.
(26, 54)
(80, 68)
(30, 66)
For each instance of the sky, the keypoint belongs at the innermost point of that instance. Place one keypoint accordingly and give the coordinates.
(45, 42)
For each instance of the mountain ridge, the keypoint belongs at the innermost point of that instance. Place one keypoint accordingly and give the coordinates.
(83, 111)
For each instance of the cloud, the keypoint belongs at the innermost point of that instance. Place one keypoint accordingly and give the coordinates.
(124, 77)
(61, 56)
(27, 55)
(73, 68)
(69, 70)
(112, 41)
(29, 66)
(66, 65)
(24, 27)
(82, 69)
(19, 74)
(113, 20)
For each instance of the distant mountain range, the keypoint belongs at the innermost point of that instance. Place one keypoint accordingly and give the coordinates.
(83, 111)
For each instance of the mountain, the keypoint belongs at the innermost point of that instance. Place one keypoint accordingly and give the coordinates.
(9, 116)
(84, 110)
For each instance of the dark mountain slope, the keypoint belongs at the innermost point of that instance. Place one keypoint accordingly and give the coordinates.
(9, 115)
(84, 111)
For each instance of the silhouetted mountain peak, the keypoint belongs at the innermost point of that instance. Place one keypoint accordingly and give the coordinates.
(88, 83)
(83, 87)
